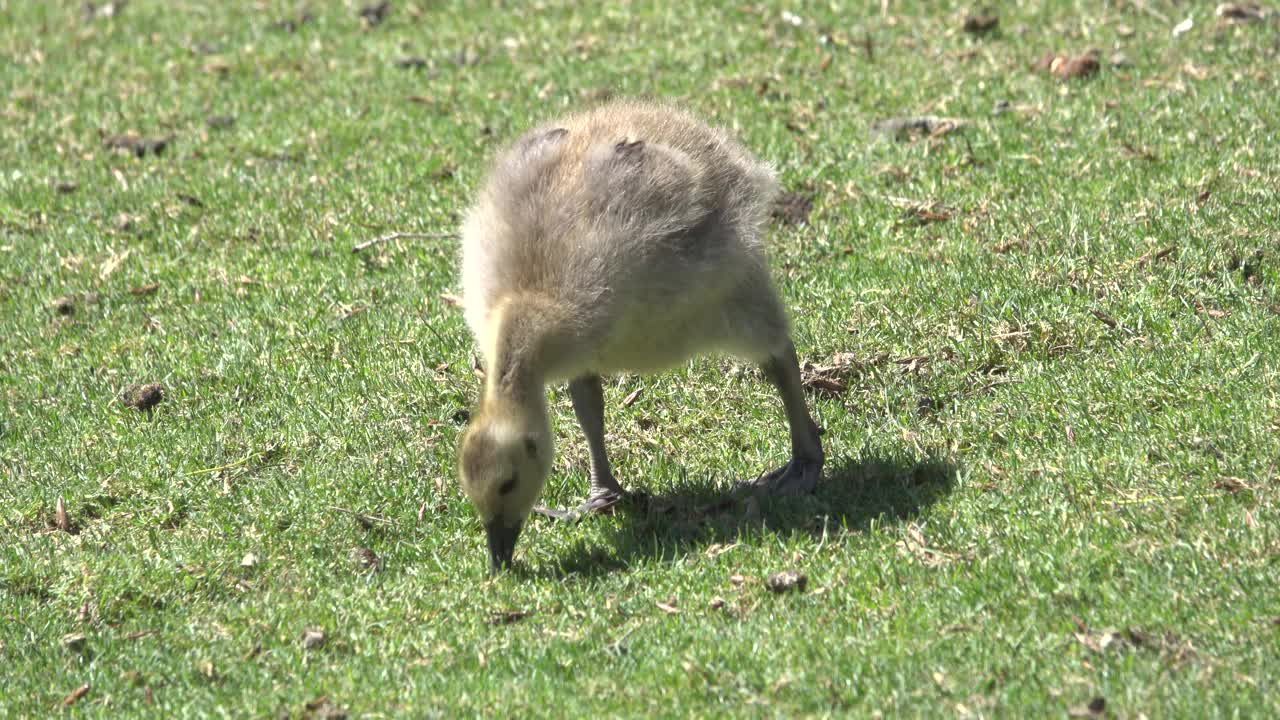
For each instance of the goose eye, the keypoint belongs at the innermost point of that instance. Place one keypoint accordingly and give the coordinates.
(507, 486)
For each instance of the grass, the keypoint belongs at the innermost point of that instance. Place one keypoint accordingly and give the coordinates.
(1070, 494)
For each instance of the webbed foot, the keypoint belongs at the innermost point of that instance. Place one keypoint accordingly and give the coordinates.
(798, 477)
(600, 501)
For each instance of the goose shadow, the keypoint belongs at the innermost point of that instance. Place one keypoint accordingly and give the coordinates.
(853, 493)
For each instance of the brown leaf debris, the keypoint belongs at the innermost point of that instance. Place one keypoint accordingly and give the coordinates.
(1236, 13)
(142, 396)
(312, 639)
(75, 695)
(786, 581)
(792, 208)
(363, 558)
(1067, 67)
(507, 617)
(831, 377)
(981, 23)
(1096, 707)
(915, 545)
(60, 517)
(138, 145)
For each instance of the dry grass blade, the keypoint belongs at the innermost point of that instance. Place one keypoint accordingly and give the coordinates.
(830, 378)
(1151, 257)
(1232, 484)
(75, 642)
(915, 546)
(1134, 151)
(668, 607)
(364, 520)
(923, 211)
(401, 236)
(907, 128)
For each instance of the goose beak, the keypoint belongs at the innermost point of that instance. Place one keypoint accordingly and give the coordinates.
(502, 543)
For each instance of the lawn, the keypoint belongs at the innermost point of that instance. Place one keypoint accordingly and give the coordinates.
(1041, 334)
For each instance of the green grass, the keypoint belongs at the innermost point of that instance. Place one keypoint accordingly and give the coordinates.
(1090, 443)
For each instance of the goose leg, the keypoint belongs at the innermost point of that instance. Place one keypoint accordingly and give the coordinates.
(801, 474)
(588, 404)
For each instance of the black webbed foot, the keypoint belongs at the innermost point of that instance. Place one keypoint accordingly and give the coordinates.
(798, 477)
(600, 501)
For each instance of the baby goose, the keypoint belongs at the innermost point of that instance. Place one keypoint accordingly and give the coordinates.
(624, 238)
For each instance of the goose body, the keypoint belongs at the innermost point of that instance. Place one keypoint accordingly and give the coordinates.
(642, 225)
(623, 238)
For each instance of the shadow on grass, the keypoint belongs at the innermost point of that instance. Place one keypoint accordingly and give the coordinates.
(853, 493)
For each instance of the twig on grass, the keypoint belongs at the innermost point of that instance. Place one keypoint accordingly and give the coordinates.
(1154, 499)
(1144, 7)
(246, 459)
(1105, 319)
(402, 236)
(1157, 255)
(994, 384)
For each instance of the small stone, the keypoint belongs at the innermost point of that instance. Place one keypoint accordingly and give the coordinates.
(249, 560)
(312, 638)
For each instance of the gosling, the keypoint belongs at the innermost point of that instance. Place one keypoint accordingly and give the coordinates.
(627, 238)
